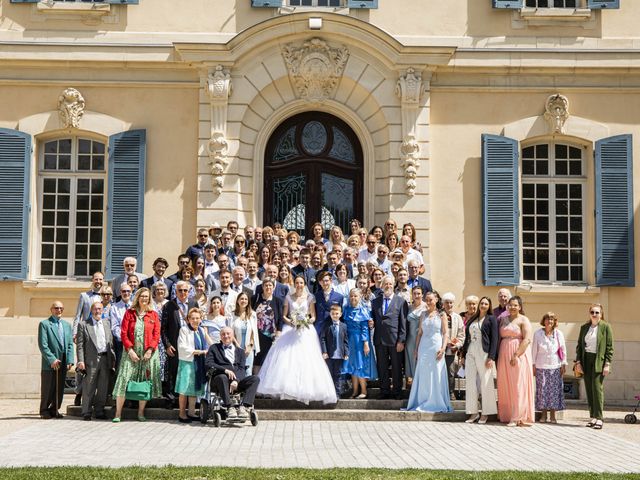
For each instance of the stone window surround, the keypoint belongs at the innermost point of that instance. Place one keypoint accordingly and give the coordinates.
(581, 130)
(582, 17)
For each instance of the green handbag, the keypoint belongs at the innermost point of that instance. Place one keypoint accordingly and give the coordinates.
(140, 391)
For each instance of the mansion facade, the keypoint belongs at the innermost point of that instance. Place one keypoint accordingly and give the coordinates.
(504, 130)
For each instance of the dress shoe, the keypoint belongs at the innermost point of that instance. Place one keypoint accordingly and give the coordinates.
(46, 416)
(102, 416)
(78, 400)
(58, 415)
(184, 420)
(87, 417)
(193, 418)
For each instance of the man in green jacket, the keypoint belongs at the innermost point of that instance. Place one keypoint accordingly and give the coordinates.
(55, 341)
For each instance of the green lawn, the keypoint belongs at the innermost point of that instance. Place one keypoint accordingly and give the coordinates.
(202, 473)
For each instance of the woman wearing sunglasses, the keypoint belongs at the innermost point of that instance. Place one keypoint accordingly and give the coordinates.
(594, 353)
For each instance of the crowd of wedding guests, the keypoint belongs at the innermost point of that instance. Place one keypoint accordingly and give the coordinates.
(263, 312)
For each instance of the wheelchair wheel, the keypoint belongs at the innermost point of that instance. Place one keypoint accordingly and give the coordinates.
(254, 418)
(204, 411)
(630, 418)
(217, 420)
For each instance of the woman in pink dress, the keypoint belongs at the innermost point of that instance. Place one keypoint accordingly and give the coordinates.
(515, 373)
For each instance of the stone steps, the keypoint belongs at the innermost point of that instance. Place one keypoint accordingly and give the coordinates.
(336, 414)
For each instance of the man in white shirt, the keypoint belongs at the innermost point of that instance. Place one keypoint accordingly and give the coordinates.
(410, 253)
(237, 284)
(210, 264)
(369, 252)
(252, 280)
(115, 319)
(226, 293)
(382, 261)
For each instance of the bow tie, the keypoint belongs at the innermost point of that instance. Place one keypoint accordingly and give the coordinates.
(224, 294)
(227, 347)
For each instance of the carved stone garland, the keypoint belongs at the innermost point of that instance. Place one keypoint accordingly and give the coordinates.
(219, 90)
(315, 68)
(409, 90)
(556, 112)
(71, 106)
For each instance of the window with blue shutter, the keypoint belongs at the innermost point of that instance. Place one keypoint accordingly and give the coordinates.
(500, 209)
(507, 3)
(603, 3)
(15, 162)
(125, 217)
(266, 3)
(614, 212)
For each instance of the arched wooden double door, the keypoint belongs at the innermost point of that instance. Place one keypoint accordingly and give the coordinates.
(313, 172)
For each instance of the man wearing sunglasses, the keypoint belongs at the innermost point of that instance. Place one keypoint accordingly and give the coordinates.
(129, 264)
(197, 249)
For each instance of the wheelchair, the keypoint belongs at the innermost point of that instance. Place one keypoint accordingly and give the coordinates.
(211, 407)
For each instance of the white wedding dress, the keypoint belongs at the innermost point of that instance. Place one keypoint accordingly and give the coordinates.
(294, 368)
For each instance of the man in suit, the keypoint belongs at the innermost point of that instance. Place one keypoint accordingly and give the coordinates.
(280, 290)
(369, 253)
(96, 356)
(212, 281)
(325, 297)
(129, 264)
(197, 249)
(413, 266)
(160, 266)
(332, 261)
(304, 268)
(174, 317)
(210, 264)
(183, 262)
(334, 344)
(252, 281)
(389, 313)
(237, 284)
(228, 365)
(226, 293)
(83, 311)
(55, 341)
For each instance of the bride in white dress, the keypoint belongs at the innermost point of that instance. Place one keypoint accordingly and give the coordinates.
(294, 368)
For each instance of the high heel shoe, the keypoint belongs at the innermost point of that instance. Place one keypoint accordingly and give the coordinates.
(473, 419)
(483, 419)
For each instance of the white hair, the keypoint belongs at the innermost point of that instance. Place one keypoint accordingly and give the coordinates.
(130, 259)
(449, 296)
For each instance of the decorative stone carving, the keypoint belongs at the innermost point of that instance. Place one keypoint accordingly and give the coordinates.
(557, 112)
(219, 89)
(409, 89)
(71, 106)
(315, 68)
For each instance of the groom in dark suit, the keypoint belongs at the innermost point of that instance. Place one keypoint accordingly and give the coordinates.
(228, 364)
(389, 313)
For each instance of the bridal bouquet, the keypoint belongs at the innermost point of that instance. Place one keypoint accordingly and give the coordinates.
(300, 320)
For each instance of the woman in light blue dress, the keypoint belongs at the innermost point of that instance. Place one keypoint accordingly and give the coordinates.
(416, 309)
(361, 364)
(430, 388)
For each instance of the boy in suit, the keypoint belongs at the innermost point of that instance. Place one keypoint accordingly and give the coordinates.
(334, 343)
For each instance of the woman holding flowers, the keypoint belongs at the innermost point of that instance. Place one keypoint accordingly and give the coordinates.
(294, 368)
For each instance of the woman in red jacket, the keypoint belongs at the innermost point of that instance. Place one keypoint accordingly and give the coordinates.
(140, 335)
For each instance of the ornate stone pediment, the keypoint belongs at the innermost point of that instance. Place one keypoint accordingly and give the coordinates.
(315, 68)
(71, 106)
(557, 112)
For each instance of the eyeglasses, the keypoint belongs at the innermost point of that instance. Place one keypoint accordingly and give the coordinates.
(203, 236)
(129, 264)
(595, 312)
(239, 242)
(58, 308)
(125, 291)
(371, 243)
(107, 294)
(184, 262)
(182, 289)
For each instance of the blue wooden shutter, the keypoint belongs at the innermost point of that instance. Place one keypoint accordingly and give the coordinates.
(507, 3)
(362, 4)
(266, 3)
(125, 217)
(603, 3)
(614, 212)
(25, 1)
(15, 163)
(500, 211)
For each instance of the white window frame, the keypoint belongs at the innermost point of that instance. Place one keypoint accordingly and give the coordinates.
(551, 180)
(314, 4)
(579, 4)
(74, 174)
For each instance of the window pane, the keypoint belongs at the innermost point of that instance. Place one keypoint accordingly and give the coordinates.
(543, 256)
(61, 252)
(542, 151)
(528, 255)
(50, 162)
(562, 256)
(49, 202)
(62, 235)
(84, 146)
(575, 191)
(81, 269)
(95, 266)
(562, 151)
(46, 268)
(84, 162)
(96, 235)
(528, 152)
(47, 250)
(561, 167)
(96, 202)
(576, 274)
(575, 167)
(528, 167)
(97, 186)
(542, 167)
(529, 272)
(64, 185)
(62, 218)
(561, 207)
(63, 202)
(48, 218)
(47, 234)
(98, 163)
(96, 219)
(83, 185)
(81, 251)
(95, 251)
(64, 146)
(83, 202)
(61, 269)
(542, 272)
(528, 207)
(64, 162)
(49, 185)
(562, 273)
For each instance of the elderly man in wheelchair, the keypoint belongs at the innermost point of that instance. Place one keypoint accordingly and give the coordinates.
(225, 365)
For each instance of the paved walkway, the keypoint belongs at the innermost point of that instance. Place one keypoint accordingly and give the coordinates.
(25, 440)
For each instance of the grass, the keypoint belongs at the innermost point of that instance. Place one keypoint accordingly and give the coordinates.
(219, 473)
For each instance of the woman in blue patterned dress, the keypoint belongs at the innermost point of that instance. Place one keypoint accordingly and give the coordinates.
(361, 364)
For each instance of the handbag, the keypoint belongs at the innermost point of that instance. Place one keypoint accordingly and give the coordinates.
(560, 350)
(575, 371)
(140, 391)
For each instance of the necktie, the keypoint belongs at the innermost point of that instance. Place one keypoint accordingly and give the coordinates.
(61, 331)
(386, 305)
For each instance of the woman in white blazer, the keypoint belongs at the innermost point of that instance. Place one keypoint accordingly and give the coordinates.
(193, 344)
(245, 329)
